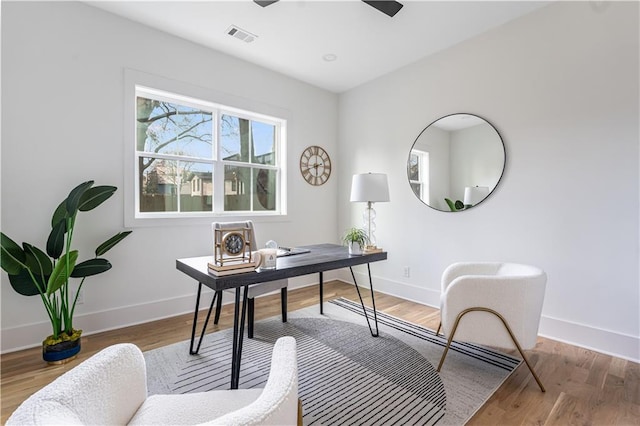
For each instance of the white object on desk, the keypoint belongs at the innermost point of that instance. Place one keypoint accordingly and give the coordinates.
(269, 257)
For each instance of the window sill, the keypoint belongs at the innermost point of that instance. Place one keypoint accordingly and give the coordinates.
(201, 220)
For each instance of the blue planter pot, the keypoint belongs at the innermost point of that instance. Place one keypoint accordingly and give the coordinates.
(62, 352)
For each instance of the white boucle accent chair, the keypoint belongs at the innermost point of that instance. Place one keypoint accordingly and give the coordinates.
(110, 388)
(494, 304)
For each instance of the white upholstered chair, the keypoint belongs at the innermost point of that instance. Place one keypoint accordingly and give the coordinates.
(256, 289)
(494, 304)
(110, 388)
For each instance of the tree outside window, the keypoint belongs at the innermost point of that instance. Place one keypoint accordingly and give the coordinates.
(181, 145)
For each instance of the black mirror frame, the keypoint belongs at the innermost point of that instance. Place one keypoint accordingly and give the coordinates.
(504, 163)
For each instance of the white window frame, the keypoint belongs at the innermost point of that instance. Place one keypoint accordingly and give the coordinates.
(423, 173)
(142, 84)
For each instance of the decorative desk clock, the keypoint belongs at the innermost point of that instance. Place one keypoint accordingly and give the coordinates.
(232, 246)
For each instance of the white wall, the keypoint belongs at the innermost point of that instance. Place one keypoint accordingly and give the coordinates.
(561, 87)
(62, 123)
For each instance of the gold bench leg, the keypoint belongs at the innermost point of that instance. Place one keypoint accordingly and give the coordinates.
(299, 412)
(504, 322)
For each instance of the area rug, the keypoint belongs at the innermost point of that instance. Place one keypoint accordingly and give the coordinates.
(346, 376)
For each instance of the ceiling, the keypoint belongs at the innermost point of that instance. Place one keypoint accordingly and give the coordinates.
(294, 37)
(458, 122)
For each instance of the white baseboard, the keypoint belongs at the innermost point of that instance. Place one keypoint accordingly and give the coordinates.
(585, 336)
(31, 335)
(605, 341)
(406, 291)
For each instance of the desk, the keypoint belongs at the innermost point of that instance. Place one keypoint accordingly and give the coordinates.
(320, 258)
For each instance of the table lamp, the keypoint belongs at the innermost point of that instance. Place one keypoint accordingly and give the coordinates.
(474, 194)
(370, 188)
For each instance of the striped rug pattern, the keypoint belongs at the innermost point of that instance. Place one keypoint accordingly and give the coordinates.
(500, 360)
(345, 375)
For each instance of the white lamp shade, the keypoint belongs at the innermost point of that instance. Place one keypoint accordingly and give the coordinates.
(370, 187)
(474, 194)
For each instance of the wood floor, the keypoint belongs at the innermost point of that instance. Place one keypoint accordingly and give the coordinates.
(583, 387)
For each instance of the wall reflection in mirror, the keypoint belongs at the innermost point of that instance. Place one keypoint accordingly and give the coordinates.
(456, 162)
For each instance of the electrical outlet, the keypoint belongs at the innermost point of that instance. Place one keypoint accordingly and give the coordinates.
(407, 272)
(80, 300)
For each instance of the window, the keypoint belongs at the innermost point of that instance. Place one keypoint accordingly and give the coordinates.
(419, 173)
(196, 158)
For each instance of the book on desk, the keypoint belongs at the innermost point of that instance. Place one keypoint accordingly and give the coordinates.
(232, 268)
(241, 267)
(290, 251)
(232, 271)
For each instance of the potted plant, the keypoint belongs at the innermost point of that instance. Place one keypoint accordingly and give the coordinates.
(32, 272)
(456, 206)
(356, 239)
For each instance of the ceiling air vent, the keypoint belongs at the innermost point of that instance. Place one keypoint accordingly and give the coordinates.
(241, 34)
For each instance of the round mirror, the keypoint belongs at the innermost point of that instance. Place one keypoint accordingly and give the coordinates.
(456, 162)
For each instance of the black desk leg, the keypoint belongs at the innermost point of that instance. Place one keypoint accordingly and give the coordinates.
(206, 321)
(238, 335)
(373, 299)
(321, 295)
(283, 303)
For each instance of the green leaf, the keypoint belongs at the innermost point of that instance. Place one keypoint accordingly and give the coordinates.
(23, 284)
(93, 197)
(60, 273)
(107, 245)
(59, 214)
(451, 205)
(55, 242)
(90, 267)
(73, 200)
(13, 257)
(37, 260)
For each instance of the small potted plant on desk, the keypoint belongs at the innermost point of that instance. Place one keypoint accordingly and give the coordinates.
(33, 272)
(356, 239)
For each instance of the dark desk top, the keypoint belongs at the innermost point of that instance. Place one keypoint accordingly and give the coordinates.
(321, 257)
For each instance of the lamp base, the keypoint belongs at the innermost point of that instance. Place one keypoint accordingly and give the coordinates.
(372, 249)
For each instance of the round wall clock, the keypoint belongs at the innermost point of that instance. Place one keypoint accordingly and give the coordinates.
(233, 243)
(315, 165)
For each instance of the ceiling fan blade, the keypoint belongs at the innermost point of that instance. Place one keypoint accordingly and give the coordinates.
(264, 3)
(389, 8)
